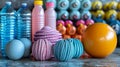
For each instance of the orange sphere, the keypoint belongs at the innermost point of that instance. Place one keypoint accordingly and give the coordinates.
(99, 40)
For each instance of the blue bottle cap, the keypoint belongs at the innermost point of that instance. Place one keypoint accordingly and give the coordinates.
(24, 5)
(8, 3)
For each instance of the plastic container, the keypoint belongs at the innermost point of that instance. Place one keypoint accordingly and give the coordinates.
(23, 22)
(50, 15)
(37, 17)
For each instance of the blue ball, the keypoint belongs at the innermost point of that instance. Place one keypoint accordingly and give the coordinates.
(15, 49)
(27, 43)
(63, 50)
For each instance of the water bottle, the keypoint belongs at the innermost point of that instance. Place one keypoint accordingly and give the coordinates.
(23, 22)
(86, 5)
(54, 1)
(37, 17)
(8, 18)
(74, 4)
(63, 15)
(62, 4)
(74, 15)
(50, 15)
(85, 15)
(2, 27)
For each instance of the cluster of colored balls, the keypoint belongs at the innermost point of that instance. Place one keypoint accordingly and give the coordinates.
(16, 49)
(65, 50)
(69, 30)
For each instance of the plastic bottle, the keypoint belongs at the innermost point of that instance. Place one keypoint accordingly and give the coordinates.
(74, 4)
(54, 1)
(8, 18)
(86, 5)
(24, 22)
(50, 15)
(37, 17)
(62, 4)
(75, 15)
(63, 15)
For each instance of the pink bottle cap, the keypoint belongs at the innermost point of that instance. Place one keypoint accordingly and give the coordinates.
(60, 22)
(68, 22)
(49, 4)
(80, 22)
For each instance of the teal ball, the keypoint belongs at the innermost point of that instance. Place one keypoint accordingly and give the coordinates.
(63, 50)
(78, 47)
(27, 43)
(15, 50)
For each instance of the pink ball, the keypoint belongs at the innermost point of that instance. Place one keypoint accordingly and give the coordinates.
(89, 22)
(60, 22)
(80, 22)
(42, 50)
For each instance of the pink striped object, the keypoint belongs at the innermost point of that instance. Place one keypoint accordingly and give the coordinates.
(42, 50)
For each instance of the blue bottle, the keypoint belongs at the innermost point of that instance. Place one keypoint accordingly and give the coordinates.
(62, 4)
(23, 22)
(2, 27)
(74, 4)
(7, 20)
(63, 15)
(114, 23)
(74, 15)
(54, 1)
(99, 19)
(86, 5)
(85, 15)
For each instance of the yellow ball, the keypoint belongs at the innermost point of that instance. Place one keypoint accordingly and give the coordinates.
(99, 40)
(97, 5)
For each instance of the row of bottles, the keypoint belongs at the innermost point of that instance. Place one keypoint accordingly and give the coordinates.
(73, 15)
(71, 4)
(14, 24)
(41, 18)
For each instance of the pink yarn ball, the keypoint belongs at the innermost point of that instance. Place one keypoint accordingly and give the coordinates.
(42, 49)
(80, 22)
(89, 22)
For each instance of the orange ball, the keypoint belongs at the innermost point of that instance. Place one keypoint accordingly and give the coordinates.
(99, 40)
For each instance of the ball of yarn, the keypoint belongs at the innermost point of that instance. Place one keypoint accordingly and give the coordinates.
(48, 33)
(78, 47)
(42, 50)
(63, 50)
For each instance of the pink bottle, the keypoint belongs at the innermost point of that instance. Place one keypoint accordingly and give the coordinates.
(50, 15)
(37, 17)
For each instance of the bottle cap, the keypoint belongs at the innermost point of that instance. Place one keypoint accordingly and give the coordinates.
(49, 4)
(38, 2)
(24, 5)
(8, 3)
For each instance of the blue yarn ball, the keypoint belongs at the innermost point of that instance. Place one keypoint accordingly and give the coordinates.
(78, 48)
(63, 50)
